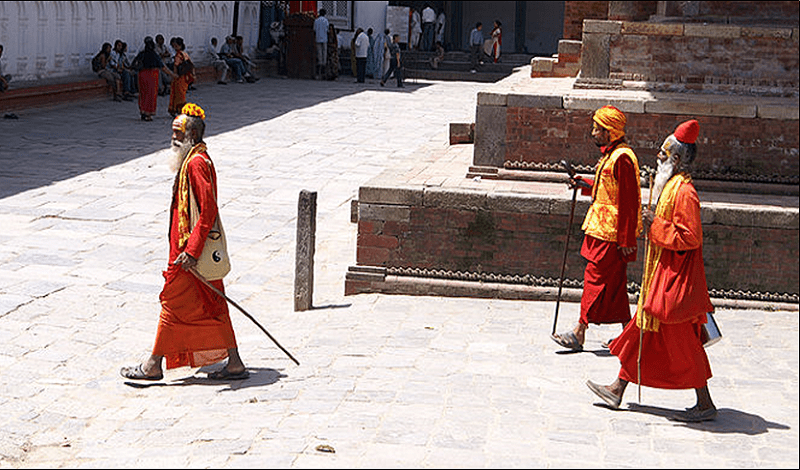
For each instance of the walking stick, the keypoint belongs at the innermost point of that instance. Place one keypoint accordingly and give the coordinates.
(641, 328)
(208, 284)
(579, 183)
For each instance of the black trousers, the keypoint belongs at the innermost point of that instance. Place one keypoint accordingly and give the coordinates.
(398, 72)
(361, 68)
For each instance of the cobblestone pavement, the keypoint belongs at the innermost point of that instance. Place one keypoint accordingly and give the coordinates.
(385, 381)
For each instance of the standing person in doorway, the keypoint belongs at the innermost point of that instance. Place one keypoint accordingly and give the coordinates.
(475, 45)
(362, 49)
(321, 34)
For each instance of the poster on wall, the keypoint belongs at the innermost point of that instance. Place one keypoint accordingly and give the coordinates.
(397, 22)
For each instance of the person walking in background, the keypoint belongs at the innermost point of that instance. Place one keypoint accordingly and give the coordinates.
(613, 222)
(151, 67)
(194, 328)
(674, 300)
(475, 45)
(362, 49)
(184, 69)
(321, 41)
(394, 63)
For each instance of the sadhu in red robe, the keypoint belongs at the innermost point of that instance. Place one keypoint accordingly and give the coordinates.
(674, 299)
(614, 220)
(194, 328)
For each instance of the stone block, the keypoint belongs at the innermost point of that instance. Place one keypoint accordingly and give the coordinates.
(535, 101)
(595, 55)
(462, 133)
(519, 202)
(770, 33)
(410, 196)
(652, 29)
(384, 212)
(491, 99)
(455, 198)
(569, 47)
(602, 27)
(786, 113)
(592, 103)
(712, 31)
(542, 64)
(490, 135)
(699, 108)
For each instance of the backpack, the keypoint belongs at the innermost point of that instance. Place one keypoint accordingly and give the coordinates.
(97, 62)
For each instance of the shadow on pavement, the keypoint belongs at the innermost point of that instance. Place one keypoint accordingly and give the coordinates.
(259, 377)
(54, 144)
(728, 421)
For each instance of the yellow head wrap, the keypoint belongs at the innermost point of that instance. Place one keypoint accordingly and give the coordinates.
(611, 119)
(191, 109)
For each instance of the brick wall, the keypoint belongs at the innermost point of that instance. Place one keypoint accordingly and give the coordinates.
(751, 251)
(726, 144)
(746, 56)
(736, 12)
(576, 12)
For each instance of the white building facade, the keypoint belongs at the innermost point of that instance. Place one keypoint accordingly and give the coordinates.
(52, 40)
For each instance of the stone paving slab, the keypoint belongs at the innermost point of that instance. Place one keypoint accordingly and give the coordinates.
(387, 381)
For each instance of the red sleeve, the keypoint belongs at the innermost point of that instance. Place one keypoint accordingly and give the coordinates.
(587, 191)
(628, 215)
(201, 177)
(685, 231)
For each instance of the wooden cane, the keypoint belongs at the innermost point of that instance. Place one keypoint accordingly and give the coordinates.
(641, 327)
(208, 284)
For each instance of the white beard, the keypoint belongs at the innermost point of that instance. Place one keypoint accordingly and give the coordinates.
(666, 169)
(179, 152)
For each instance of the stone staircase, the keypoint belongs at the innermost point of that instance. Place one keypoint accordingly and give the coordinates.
(566, 63)
(456, 66)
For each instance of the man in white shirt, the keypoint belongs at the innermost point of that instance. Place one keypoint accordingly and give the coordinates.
(440, 22)
(428, 20)
(362, 49)
(321, 32)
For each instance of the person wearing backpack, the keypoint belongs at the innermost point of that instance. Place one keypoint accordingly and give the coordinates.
(100, 67)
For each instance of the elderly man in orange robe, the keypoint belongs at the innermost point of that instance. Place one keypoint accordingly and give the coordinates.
(194, 328)
(674, 300)
(611, 226)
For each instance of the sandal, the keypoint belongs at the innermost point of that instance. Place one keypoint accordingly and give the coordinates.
(607, 344)
(605, 394)
(224, 374)
(567, 340)
(136, 373)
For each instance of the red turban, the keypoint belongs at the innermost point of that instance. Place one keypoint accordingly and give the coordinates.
(611, 119)
(687, 132)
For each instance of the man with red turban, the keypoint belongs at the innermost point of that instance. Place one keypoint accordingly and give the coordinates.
(674, 299)
(194, 328)
(611, 226)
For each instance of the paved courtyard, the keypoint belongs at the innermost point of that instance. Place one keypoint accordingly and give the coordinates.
(383, 381)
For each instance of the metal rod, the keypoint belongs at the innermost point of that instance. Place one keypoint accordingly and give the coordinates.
(208, 284)
(641, 327)
(564, 260)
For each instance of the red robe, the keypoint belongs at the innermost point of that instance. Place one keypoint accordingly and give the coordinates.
(677, 297)
(194, 328)
(605, 280)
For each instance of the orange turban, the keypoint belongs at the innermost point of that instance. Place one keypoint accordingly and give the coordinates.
(611, 119)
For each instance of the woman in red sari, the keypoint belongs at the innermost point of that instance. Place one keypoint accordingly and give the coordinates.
(150, 64)
(177, 92)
